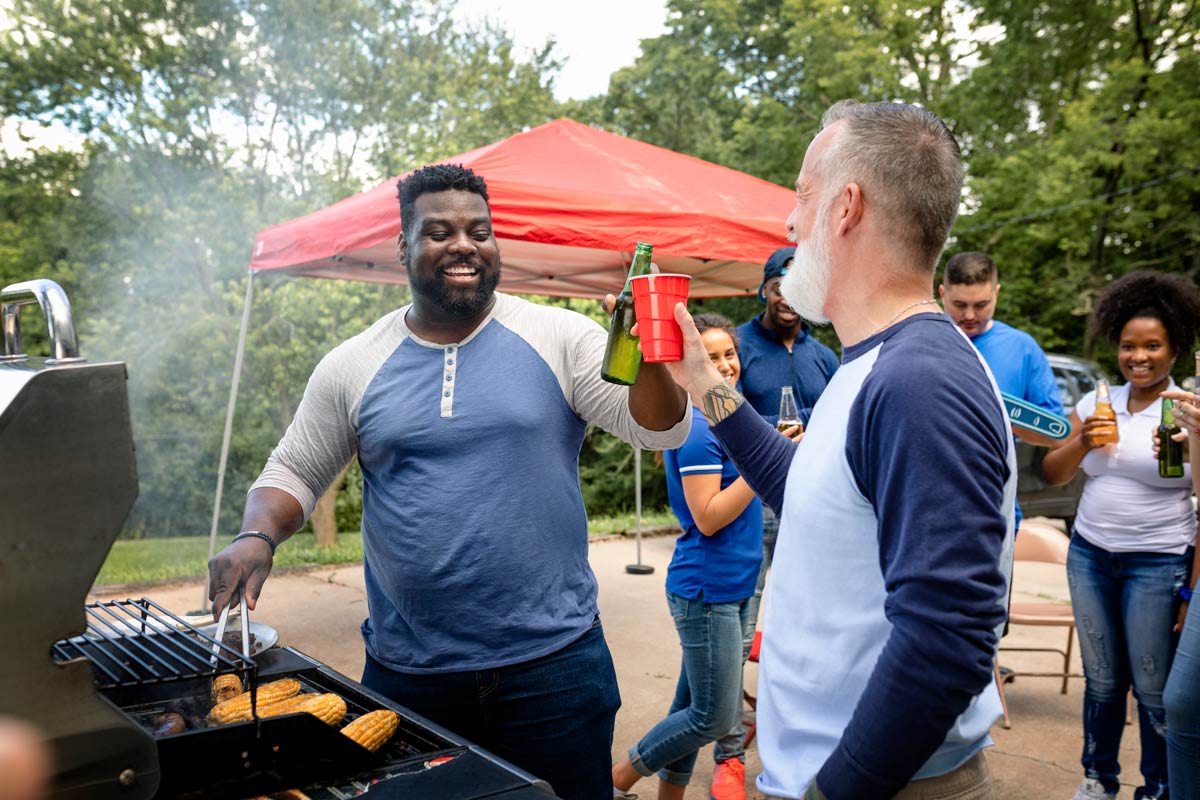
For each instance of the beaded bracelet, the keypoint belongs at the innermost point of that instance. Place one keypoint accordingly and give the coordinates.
(1185, 594)
(257, 535)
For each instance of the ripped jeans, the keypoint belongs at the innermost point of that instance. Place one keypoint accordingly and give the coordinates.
(1124, 607)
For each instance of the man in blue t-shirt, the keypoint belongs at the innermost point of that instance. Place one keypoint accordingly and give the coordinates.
(969, 290)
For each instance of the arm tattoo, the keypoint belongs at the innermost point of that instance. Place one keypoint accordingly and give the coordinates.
(719, 402)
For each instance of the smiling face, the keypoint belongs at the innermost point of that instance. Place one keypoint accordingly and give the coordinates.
(971, 306)
(1144, 353)
(779, 316)
(452, 259)
(721, 350)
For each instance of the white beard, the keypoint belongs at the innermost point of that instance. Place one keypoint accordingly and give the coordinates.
(806, 285)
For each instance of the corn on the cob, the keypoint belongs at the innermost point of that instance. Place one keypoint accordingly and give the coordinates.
(226, 687)
(237, 709)
(371, 730)
(329, 708)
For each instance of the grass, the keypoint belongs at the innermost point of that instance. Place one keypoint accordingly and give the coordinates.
(186, 557)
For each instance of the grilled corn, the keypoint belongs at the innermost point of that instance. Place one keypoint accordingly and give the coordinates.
(329, 708)
(237, 709)
(226, 687)
(373, 729)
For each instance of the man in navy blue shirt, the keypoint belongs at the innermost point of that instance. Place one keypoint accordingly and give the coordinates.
(777, 349)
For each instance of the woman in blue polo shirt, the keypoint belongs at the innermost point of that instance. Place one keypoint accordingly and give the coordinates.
(709, 584)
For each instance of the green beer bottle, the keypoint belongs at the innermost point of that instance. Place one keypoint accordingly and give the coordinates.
(1170, 452)
(622, 357)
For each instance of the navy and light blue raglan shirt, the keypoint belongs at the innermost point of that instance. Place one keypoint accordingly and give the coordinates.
(1020, 368)
(474, 531)
(768, 366)
(723, 567)
(891, 567)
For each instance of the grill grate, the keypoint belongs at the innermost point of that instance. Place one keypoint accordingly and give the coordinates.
(138, 642)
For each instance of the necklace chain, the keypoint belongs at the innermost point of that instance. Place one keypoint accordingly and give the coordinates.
(898, 313)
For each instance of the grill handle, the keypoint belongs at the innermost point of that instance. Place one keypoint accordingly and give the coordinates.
(64, 347)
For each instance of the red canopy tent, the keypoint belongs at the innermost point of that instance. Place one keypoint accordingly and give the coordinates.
(568, 202)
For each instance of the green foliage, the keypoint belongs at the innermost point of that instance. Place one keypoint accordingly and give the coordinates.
(172, 558)
(208, 121)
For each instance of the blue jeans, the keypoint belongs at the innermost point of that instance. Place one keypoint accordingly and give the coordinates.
(708, 697)
(1123, 605)
(1182, 701)
(552, 716)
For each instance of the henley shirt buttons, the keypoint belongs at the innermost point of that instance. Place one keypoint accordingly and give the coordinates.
(446, 393)
(449, 378)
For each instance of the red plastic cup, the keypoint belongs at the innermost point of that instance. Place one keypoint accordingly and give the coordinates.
(654, 299)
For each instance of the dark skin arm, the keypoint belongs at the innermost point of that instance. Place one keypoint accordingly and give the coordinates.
(248, 561)
(1061, 463)
(655, 401)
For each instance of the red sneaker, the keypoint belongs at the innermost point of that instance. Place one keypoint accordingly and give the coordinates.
(729, 780)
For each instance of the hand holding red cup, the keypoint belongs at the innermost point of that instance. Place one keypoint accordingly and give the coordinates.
(654, 299)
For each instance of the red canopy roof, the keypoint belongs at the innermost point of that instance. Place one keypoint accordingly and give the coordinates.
(568, 204)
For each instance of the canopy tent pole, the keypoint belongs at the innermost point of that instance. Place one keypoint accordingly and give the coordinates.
(639, 568)
(233, 391)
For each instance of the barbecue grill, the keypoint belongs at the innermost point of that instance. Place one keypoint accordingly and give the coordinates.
(100, 679)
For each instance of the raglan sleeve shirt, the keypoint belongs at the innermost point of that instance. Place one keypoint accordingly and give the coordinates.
(936, 482)
(321, 439)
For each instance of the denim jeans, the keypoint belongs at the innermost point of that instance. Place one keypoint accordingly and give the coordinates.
(708, 697)
(552, 716)
(1123, 605)
(1182, 700)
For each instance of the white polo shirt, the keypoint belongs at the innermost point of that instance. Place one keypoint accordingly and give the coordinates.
(1126, 507)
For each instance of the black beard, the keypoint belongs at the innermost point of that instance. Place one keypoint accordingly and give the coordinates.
(462, 303)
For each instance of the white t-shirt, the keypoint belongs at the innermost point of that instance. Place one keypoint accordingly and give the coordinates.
(1126, 507)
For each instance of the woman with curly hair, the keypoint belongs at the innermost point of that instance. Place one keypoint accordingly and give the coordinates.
(1129, 552)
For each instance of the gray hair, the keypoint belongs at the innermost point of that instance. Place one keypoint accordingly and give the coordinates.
(907, 164)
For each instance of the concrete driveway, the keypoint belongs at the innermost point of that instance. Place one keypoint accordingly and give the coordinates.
(319, 612)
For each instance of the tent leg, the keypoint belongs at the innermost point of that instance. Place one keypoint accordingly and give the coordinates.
(233, 391)
(639, 568)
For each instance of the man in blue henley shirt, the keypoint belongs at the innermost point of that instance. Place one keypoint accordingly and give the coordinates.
(897, 506)
(466, 411)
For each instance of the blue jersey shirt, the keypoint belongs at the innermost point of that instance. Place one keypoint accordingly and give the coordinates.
(1020, 368)
(723, 567)
(768, 366)
(1019, 365)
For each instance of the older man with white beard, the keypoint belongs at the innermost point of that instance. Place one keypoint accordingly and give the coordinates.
(897, 507)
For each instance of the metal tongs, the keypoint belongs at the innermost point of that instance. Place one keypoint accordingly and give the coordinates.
(245, 622)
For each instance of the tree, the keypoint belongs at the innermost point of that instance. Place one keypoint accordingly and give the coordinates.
(208, 121)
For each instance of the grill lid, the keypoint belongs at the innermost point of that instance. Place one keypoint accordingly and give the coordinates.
(66, 435)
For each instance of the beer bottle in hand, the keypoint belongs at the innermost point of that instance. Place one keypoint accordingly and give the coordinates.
(1104, 410)
(1170, 452)
(789, 414)
(622, 357)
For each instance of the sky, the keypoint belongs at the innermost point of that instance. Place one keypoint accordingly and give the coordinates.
(595, 39)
